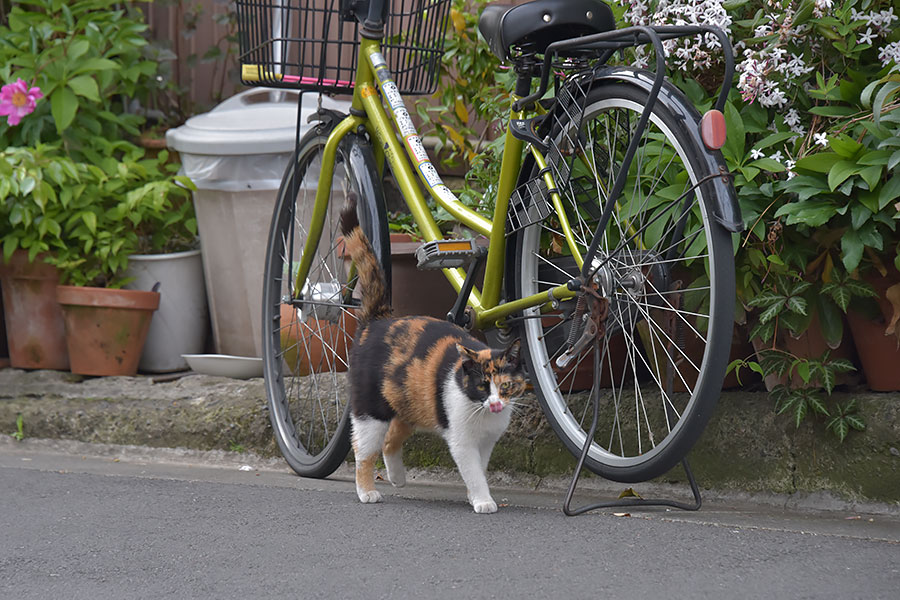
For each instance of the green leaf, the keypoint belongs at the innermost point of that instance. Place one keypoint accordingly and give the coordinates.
(875, 157)
(765, 298)
(871, 175)
(96, 64)
(851, 250)
(90, 220)
(889, 192)
(775, 138)
(799, 411)
(63, 106)
(797, 305)
(734, 142)
(831, 322)
(833, 111)
(84, 85)
(839, 426)
(880, 98)
(767, 164)
(803, 370)
(77, 49)
(817, 405)
(828, 379)
(855, 421)
(819, 163)
(771, 312)
(859, 215)
(814, 213)
(840, 171)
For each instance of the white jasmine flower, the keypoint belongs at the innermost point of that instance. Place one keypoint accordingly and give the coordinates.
(756, 154)
(820, 138)
(822, 7)
(777, 156)
(792, 118)
(889, 53)
(868, 37)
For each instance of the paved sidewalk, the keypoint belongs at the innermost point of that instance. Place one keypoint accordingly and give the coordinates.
(746, 452)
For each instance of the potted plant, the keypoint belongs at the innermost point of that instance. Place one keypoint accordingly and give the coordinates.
(34, 188)
(851, 187)
(106, 214)
(168, 255)
(88, 63)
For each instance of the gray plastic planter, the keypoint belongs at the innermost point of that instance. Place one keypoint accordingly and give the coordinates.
(181, 323)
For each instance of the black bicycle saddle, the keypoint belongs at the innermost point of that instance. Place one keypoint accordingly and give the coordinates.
(542, 22)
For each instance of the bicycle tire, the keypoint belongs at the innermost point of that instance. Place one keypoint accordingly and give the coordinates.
(306, 347)
(651, 343)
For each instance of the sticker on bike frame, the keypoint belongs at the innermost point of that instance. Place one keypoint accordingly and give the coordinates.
(378, 60)
(444, 193)
(408, 131)
(404, 122)
(392, 95)
(417, 149)
(430, 174)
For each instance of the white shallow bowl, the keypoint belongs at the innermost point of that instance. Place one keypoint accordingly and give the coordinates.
(224, 365)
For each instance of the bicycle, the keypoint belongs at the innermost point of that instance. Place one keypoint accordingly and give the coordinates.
(610, 244)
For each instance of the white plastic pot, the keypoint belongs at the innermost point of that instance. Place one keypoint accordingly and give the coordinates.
(181, 323)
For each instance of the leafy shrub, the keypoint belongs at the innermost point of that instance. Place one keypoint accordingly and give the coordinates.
(87, 58)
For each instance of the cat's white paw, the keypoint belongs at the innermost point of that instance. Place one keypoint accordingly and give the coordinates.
(397, 479)
(396, 472)
(370, 497)
(485, 506)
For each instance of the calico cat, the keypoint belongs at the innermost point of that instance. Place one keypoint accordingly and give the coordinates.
(413, 373)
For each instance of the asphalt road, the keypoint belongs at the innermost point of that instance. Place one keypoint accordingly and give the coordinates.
(75, 526)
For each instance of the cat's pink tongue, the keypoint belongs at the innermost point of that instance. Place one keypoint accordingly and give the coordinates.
(496, 407)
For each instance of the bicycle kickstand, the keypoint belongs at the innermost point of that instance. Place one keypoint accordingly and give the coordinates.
(630, 500)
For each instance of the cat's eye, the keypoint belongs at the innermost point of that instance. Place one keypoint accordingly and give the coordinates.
(504, 387)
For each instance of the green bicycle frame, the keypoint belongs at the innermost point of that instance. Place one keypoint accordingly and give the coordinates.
(403, 150)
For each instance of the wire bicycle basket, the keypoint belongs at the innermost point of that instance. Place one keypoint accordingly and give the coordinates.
(313, 44)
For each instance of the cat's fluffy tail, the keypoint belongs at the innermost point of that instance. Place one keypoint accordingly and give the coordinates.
(372, 284)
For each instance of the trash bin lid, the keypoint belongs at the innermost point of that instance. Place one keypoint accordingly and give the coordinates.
(257, 121)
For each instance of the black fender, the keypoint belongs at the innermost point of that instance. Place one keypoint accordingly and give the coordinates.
(363, 169)
(726, 209)
(370, 204)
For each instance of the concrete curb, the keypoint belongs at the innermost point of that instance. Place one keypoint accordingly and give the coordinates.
(746, 447)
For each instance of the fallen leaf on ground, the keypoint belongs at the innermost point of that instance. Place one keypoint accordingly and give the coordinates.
(630, 493)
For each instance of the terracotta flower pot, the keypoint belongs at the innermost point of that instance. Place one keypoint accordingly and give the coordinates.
(314, 346)
(415, 292)
(4, 349)
(106, 328)
(34, 322)
(878, 349)
(811, 344)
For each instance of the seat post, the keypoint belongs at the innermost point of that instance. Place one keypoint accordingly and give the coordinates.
(523, 83)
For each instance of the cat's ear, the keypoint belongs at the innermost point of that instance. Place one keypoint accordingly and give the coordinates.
(513, 353)
(468, 355)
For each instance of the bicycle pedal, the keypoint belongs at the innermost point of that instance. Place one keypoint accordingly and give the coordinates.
(446, 254)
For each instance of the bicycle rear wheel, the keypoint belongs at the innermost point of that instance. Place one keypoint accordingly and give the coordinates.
(306, 341)
(666, 269)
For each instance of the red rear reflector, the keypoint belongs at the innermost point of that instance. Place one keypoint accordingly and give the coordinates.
(712, 129)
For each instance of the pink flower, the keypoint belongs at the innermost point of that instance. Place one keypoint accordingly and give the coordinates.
(18, 100)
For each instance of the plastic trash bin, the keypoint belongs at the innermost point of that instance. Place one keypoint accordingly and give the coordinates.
(236, 155)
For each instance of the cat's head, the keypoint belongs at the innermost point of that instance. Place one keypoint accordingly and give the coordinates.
(493, 378)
